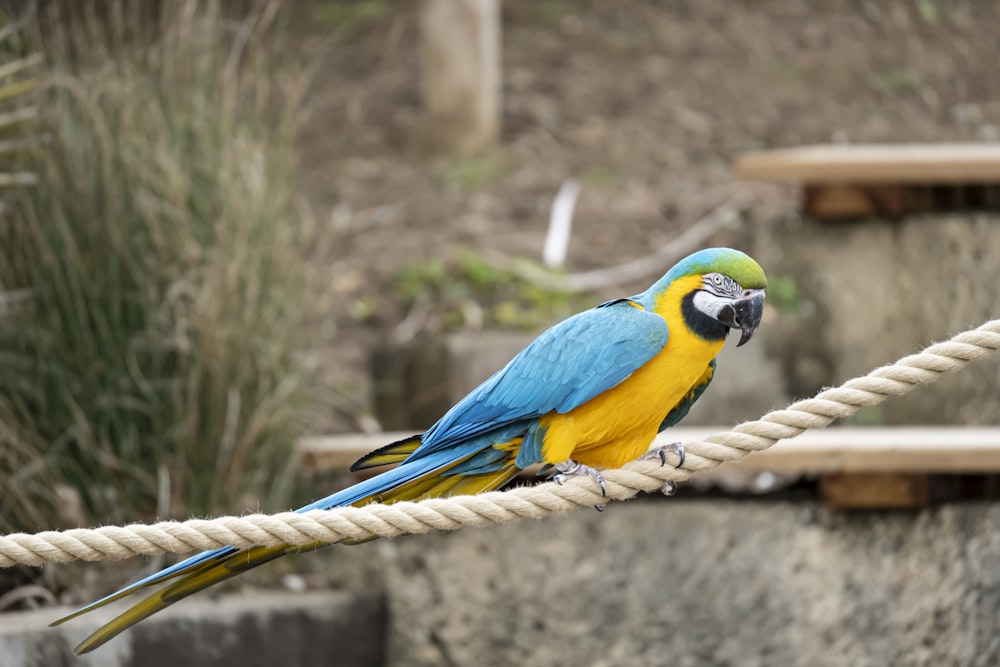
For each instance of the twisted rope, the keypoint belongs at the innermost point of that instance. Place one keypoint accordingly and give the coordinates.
(291, 528)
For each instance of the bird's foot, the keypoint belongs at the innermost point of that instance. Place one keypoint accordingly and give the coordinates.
(573, 469)
(660, 453)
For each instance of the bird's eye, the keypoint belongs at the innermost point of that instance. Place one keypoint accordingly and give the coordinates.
(717, 279)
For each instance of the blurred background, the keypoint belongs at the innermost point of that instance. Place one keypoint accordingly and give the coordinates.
(227, 226)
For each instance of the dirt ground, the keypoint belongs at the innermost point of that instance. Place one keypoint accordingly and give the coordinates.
(646, 103)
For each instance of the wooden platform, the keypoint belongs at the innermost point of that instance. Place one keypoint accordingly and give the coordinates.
(856, 467)
(842, 182)
(929, 449)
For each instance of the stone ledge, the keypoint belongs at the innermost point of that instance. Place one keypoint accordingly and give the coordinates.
(271, 628)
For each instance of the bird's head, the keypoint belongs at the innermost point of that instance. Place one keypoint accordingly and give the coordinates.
(723, 289)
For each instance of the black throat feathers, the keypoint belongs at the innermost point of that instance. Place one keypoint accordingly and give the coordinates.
(699, 323)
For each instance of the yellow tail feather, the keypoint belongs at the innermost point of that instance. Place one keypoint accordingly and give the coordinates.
(125, 592)
(190, 584)
(484, 482)
(395, 452)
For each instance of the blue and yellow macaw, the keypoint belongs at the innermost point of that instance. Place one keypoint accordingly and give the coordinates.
(591, 392)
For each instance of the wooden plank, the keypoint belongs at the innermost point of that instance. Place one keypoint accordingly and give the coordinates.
(844, 201)
(919, 449)
(871, 163)
(895, 449)
(838, 201)
(877, 490)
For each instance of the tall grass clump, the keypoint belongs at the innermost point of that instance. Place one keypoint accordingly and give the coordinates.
(26, 479)
(164, 362)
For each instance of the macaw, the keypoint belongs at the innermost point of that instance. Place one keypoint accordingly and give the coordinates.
(591, 392)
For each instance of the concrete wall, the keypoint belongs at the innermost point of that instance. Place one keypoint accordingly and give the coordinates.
(657, 582)
(874, 291)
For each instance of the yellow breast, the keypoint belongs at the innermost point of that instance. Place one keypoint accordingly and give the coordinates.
(619, 425)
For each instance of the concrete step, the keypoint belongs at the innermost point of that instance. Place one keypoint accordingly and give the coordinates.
(262, 628)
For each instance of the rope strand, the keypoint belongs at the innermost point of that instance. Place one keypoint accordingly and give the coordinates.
(294, 529)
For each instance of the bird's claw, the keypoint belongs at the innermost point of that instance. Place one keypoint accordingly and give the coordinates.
(573, 469)
(660, 453)
(668, 488)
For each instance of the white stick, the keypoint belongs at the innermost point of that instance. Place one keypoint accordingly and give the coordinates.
(560, 225)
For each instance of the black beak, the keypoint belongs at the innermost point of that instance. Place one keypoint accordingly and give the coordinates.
(744, 314)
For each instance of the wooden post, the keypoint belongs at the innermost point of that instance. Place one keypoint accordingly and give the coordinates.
(460, 61)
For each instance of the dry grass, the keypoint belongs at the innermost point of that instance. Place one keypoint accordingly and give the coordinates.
(164, 362)
(26, 477)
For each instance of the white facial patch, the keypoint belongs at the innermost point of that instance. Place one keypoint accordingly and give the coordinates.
(709, 303)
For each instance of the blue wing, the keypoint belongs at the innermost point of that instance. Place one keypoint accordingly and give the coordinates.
(563, 368)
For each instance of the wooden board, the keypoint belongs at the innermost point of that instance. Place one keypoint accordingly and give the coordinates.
(866, 164)
(843, 201)
(928, 449)
(874, 490)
